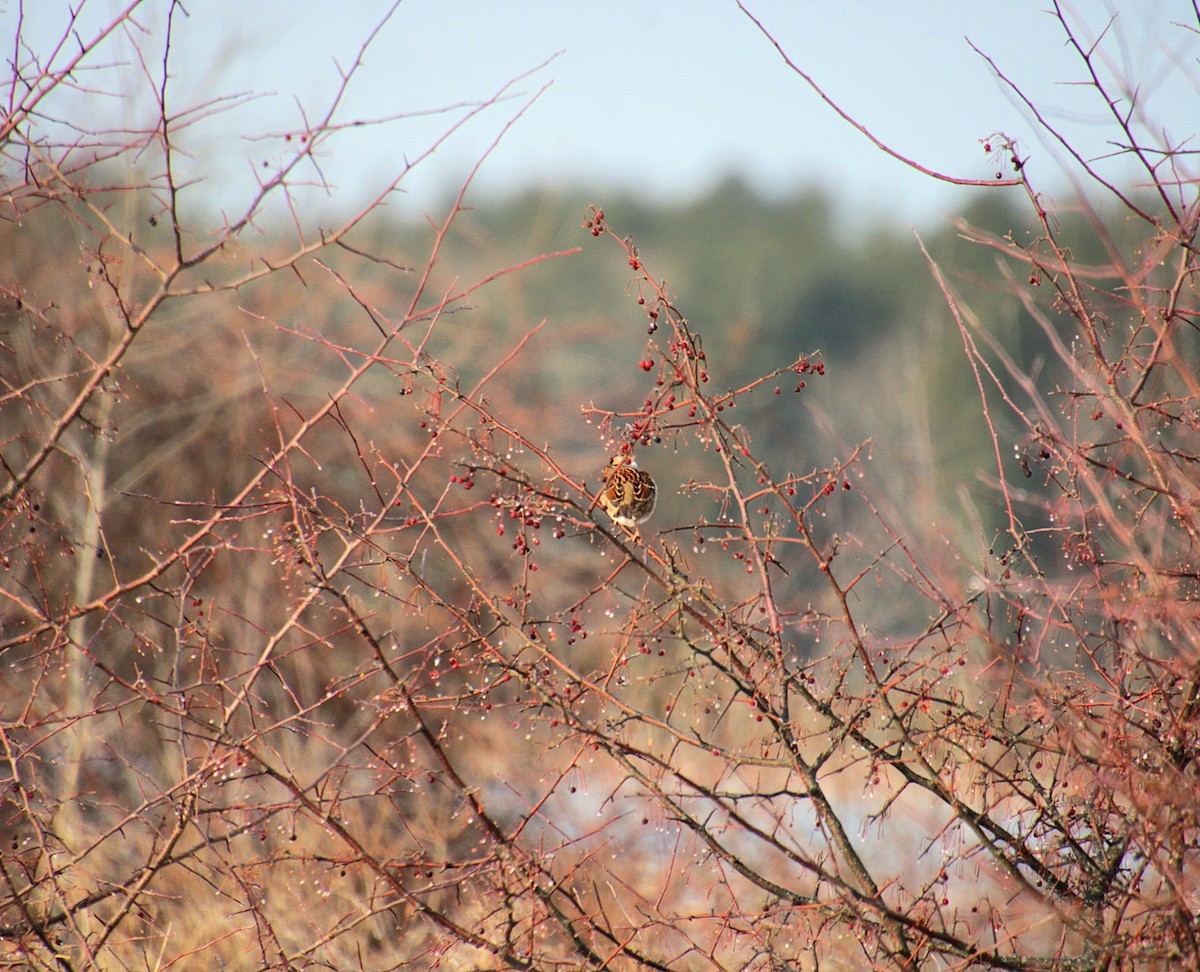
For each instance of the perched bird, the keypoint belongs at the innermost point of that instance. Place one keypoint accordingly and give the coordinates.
(629, 493)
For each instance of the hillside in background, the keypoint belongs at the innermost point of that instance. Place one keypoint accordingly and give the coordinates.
(765, 280)
(761, 282)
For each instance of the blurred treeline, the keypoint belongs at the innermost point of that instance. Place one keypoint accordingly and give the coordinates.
(765, 280)
(762, 280)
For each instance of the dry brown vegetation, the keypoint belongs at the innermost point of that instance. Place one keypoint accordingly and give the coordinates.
(317, 652)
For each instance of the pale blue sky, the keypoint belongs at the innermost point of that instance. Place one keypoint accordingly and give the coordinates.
(666, 96)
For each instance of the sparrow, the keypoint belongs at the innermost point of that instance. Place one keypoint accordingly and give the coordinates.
(629, 493)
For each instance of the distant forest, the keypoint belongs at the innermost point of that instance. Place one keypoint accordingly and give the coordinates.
(766, 279)
(760, 280)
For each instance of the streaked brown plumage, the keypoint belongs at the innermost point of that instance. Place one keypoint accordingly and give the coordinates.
(629, 493)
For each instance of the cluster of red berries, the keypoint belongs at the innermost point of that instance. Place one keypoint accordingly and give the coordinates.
(652, 313)
(594, 221)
